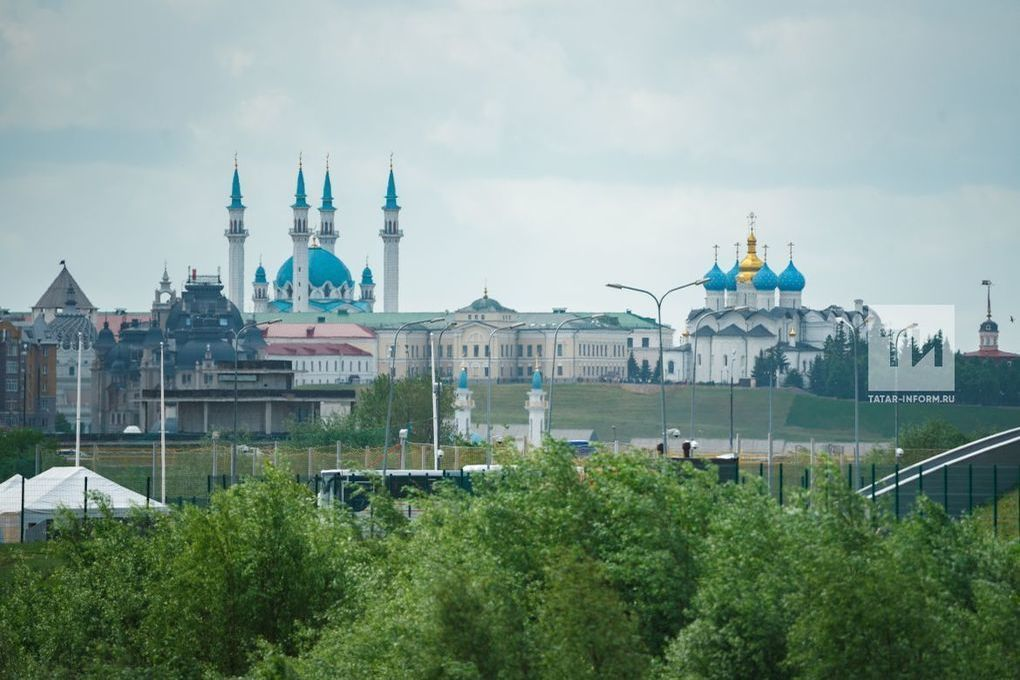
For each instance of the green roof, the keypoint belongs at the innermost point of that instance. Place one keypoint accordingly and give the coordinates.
(382, 320)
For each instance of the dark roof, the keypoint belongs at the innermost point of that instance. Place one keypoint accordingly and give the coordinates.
(62, 288)
(760, 331)
(732, 330)
(486, 304)
(315, 349)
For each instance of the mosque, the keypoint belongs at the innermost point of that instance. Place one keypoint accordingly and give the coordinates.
(749, 309)
(313, 278)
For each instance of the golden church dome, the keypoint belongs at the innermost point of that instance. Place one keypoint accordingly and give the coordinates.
(751, 263)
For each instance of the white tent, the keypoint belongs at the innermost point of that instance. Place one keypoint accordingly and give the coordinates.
(57, 488)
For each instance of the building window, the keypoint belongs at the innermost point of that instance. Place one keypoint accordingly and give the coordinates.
(630, 343)
(12, 384)
(559, 370)
(474, 351)
(644, 343)
(559, 349)
(529, 350)
(520, 370)
(670, 366)
(725, 360)
(538, 350)
(463, 350)
(485, 371)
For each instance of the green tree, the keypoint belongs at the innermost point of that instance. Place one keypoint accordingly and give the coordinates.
(633, 371)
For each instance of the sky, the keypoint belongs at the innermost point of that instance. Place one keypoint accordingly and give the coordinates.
(543, 149)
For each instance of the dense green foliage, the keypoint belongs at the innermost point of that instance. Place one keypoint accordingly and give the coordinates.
(635, 568)
(987, 382)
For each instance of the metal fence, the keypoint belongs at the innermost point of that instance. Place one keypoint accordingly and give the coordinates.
(959, 489)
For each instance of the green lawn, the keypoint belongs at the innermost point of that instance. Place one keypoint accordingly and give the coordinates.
(797, 415)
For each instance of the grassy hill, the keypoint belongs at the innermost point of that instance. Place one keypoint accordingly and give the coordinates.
(634, 410)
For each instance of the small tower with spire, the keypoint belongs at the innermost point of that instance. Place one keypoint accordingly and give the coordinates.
(164, 299)
(367, 288)
(536, 406)
(391, 235)
(236, 235)
(299, 236)
(463, 404)
(327, 230)
(260, 290)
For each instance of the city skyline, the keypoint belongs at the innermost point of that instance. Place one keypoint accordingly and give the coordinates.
(535, 155)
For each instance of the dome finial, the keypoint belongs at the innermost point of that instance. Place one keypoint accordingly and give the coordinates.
(299, 159)
(765, 252)
(790, 246)
(391, 160)
(751, 217)
(988, 286)
(716, 256)
(327, 161)
(235, 160)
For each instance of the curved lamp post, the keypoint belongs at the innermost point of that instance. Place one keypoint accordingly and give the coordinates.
(552, 376)
(488, 401)
(437, 386)
(392, 378)
(856, 328)
(658, 316)
(237, 334)
(694, 358)
(896, 396)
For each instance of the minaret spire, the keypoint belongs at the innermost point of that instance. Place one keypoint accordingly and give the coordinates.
(236, 235)
(327, 228)
(391, 235)
(299, 236)
(988, 287)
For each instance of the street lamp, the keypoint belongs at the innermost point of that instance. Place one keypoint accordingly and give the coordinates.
(552, 376)
(857, 411)
(694, 358)
(896, 388)
(437, 385)
(392, 378)
(662, 368)
(773, 369)
(488, 401)
(237, 334)
(77, 408)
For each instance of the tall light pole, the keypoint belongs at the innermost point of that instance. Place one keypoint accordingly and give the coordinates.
(658, 316)
(552, 372)
(237, 334)
(488, 400)
(77, 410)
(392, 378)
(436, 386)
(162, 426)
(896, 389)
(694, 358)
(773, 370)
(857, 402)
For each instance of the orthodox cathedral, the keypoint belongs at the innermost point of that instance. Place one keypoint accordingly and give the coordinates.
(313, 278)
(749, 309)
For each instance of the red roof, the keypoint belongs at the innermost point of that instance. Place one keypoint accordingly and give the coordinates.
(317, 330)
(115, 319)
(294, 349)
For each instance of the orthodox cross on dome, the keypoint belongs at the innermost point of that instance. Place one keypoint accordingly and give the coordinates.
(765, 249)
(790, 246)
(716, 249)
(737, 247)
(751, 217)
(988, 285)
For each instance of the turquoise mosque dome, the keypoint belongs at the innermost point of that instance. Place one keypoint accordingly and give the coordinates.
(716, 278)
(366, 277)
(536, 380)
(791, 280)
(462, 382)
(260, 274)
(731, 276)
(765, 279)
(323, 267)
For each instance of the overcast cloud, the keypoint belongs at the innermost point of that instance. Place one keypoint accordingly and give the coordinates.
(544, 148)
